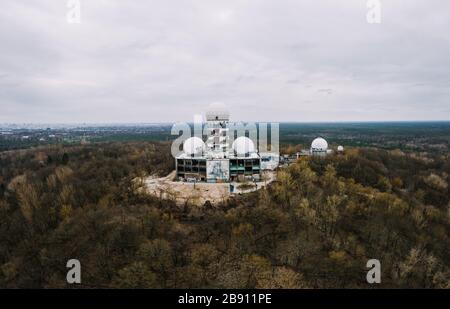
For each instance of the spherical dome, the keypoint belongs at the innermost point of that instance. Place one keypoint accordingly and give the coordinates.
(193, 146)
(340, 148)
(243, 145)
(217, 111)
(319, 144)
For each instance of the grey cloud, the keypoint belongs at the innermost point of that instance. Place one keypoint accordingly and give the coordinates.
(325, 90)
(267, 60)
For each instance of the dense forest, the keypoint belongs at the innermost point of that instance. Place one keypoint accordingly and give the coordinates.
(315, 227)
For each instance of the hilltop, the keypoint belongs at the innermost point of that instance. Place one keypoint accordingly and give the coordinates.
(316, 226)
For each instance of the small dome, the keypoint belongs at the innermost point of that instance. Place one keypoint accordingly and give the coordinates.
(194, 146)
(319, 144)
(243, 145)
(340, 148)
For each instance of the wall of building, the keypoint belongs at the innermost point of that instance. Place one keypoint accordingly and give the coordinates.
(241, 168)
(217, 170)
(190, 169)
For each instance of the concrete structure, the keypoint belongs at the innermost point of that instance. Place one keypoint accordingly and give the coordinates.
(215, 161)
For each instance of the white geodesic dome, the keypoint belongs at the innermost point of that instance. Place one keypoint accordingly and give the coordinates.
(319, 144)
(194, 146)
(243, 145)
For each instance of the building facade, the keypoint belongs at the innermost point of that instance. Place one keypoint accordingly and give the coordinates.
(214, 160)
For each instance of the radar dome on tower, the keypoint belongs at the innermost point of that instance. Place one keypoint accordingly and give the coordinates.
(217, 112)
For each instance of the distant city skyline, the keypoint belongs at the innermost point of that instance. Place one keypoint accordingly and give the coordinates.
(164, 61)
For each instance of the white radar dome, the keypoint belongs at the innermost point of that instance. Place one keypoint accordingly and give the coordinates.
(340, 148)
(194, 146)
(243, 145)
(217, 112)
(319, 144)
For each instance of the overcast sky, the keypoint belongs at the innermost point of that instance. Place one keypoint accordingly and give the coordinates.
(277, 60)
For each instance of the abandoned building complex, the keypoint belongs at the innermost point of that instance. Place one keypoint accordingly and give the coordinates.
(215, 161)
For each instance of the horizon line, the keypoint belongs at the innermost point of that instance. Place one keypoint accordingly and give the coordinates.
(245, 121)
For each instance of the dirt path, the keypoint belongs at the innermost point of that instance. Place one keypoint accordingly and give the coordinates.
(196, 193)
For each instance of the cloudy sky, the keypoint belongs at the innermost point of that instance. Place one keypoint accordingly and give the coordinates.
(266, 60)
